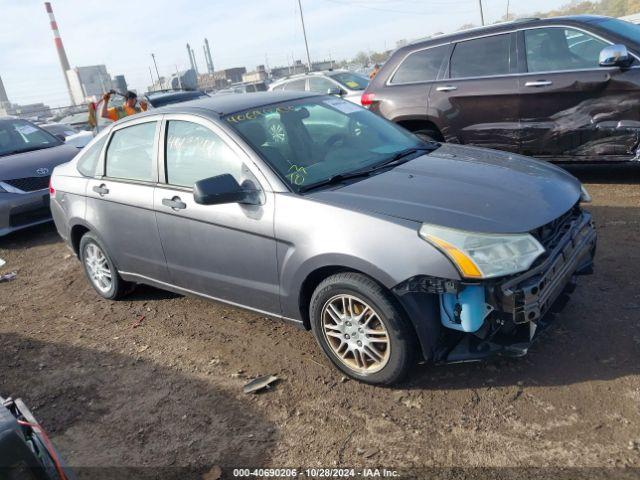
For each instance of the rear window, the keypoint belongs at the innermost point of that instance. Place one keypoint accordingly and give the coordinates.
(481, 57)
(296, 84)
(421, 66)
(352, 81)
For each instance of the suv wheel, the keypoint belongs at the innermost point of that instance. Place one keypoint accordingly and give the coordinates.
(100, 269)
(360, 329)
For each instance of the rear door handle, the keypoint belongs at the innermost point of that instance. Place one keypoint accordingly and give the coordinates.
(446, 88)
(174, 203)
(101, 189)
(538, 83)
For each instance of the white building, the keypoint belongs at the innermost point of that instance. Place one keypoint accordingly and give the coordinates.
(88, 83)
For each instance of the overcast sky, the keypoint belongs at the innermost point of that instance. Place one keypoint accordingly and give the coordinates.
(122, 34)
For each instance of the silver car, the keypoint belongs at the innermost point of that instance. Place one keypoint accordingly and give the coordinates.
(386, 247)
(342, 83)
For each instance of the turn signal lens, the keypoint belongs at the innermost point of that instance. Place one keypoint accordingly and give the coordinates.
(52, 191)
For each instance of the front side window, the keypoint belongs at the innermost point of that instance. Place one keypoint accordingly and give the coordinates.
(17, 136)
(321, 85)
(130, 154)
(194, 152)
(296, 84)
(421, 66)
(553, 49)
(482, 57)
(88, 162)
(309, 141)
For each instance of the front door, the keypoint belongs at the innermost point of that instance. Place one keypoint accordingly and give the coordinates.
(571, 108)
(478, 102)
(120, 200)
(226, 251)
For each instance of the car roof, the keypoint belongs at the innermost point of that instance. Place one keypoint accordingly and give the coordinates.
(311, 74)
(500, 27)
(219, 105)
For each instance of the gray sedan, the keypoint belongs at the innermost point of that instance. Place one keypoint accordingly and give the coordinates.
(28, 155)
(386, 247)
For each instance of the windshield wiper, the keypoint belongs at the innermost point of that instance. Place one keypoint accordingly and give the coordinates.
(402, 156)
(338, 178)
(24, 150)
(396, 159)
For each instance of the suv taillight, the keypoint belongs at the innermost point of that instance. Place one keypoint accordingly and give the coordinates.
(367, 99)
(52, 191)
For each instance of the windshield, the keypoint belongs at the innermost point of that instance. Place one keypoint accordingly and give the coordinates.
(309, 141)
(622, 28)
(352, 81)
(18, 136)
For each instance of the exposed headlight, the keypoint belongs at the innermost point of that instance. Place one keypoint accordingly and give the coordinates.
(584, 195)
(484, 255)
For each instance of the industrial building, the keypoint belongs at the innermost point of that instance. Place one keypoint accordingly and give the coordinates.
(88, 83)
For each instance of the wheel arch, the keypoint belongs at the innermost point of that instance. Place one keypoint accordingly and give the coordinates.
(414, 124)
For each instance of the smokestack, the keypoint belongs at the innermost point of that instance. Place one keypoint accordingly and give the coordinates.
(62, 55)
(193, 60)
(193, 67)
(207, 56)
(3, 93)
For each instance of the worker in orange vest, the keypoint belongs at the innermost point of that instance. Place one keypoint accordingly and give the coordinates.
(129, 106)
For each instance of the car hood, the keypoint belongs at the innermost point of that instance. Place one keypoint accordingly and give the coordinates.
(468, 188)
(23, 165)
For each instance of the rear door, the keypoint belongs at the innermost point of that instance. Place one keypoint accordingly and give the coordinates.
(571, 108)
(120, 199)
(404, 96)
(227, 251)
(478, 101)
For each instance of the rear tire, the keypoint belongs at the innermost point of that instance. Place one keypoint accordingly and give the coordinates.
(101, 270)
(361, 329)
(428, 135)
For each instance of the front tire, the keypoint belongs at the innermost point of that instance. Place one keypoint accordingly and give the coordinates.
(361, 329)
(100, 269)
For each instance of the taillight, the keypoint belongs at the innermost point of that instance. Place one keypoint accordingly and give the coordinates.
(367, 99)
(52, 191)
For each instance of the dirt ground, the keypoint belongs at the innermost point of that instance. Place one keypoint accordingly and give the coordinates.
(156, 380)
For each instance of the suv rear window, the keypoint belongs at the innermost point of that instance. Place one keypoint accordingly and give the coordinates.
(481, 57)
(420, 66)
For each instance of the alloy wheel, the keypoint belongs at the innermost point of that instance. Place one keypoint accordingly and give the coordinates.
(356, 334)
(98, 267)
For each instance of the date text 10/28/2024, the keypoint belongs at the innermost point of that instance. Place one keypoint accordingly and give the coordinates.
(315, 472)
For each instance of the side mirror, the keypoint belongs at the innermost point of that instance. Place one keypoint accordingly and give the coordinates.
(335, 91)
(615, 56)
(221, 189)
(60, 136)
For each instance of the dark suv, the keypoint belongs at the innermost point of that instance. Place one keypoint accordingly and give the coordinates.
(563, 89)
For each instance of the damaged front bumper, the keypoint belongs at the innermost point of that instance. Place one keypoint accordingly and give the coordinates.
(518, 307)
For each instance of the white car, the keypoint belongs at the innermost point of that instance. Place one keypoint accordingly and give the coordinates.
(69, 134)
(342, 83)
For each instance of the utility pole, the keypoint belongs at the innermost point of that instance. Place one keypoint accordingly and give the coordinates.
(156, 65)
(507, 10)
(178, 75)
(304, 32)
(481, 14)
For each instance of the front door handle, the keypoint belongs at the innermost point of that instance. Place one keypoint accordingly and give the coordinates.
(101, 189)
(538, 83)
(174, 203)
(446, 88)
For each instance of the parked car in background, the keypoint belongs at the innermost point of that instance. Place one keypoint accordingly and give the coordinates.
(342, 83)
(68, 134)
(28, 155)
(248, 87)
(168, 97)
(562, 89)
(385, 246)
